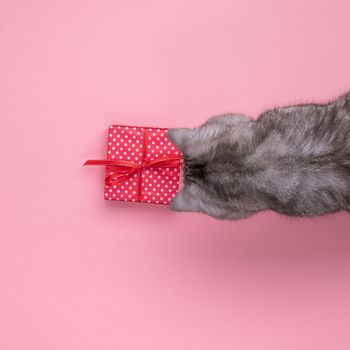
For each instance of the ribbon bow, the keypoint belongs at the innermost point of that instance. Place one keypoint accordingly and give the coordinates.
(121, 171)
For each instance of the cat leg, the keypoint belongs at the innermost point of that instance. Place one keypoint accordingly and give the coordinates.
(181, 137)
(188, 201)
(222, 211)
(185, 200)
(228, 119)
(236, 215)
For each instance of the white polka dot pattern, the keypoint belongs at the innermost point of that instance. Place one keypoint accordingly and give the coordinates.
(158, 185)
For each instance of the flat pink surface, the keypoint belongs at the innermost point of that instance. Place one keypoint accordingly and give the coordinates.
(77, 272)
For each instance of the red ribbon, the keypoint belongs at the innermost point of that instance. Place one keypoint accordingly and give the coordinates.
(121, 171)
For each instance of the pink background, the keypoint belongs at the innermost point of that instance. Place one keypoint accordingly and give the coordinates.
(78, 272)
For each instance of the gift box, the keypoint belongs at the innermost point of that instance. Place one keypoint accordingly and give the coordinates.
(142, 165)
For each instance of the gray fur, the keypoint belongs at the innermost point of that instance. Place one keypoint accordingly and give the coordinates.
(294, 160)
